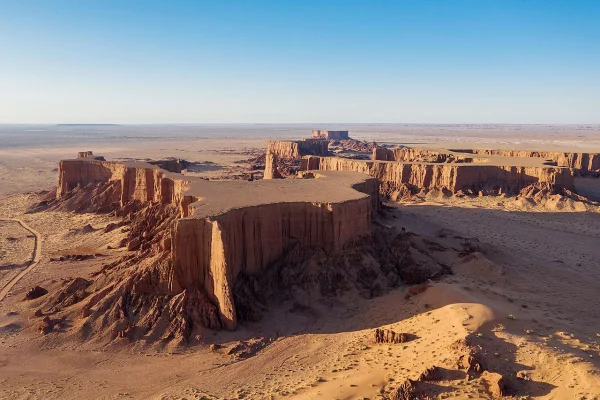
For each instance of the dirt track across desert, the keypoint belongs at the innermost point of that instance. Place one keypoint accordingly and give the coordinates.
(35, 257)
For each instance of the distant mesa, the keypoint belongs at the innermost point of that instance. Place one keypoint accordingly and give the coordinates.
(402, 170)
(88, 125)
(90, 155)
(330, 135)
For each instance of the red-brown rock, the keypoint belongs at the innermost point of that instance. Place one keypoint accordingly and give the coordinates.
(406, 391)
(470, 364)
(35, 292)
(432, 373)
(494, 383)
(389, 336)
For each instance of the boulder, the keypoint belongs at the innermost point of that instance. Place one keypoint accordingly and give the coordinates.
(494, 384)
(470, 363)
(524, 375)
(35, 292)
(389, 336)
(133, 244)
(432, 373)
(406, 391)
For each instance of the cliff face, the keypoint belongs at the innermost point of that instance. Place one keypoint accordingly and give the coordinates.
(138, 181)
(452, 177)
(211, 253)
(585, 162)
(283, 157)
(297, 149)
(411, 154)
(271, 171)
(229, 227)
(283, 149)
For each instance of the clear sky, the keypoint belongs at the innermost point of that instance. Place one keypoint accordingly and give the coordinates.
(422, 61)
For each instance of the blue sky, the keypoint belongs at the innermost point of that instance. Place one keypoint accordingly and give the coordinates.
(420, 61)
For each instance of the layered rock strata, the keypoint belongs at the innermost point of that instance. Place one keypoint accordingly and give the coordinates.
(298, 148)
(453, 177)
(584, 162)
(289, 153)
(225, 228)
(412, 154)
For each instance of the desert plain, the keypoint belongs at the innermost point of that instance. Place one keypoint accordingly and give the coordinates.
(358, 278)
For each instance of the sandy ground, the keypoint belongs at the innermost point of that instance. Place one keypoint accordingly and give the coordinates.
(27, 169)
(540, 267)
(16, 248)
(529, 299)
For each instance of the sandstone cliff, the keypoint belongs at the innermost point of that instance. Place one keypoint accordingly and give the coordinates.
(134, 181)
(584, 162)
(283, 157)
(408, 154)
(224, 228)
(452, 177)
(413, 154)
(271, 169)
(297, 149)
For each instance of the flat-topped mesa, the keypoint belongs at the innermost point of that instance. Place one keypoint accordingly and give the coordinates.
(88, 154)
(330, 135)
(472, 178)
(291, 152)
(297, 148)
(412, 154)
(122, 182)
(230, 227)
(584, 163)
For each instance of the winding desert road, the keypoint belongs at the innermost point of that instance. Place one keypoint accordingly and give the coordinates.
(35, 257)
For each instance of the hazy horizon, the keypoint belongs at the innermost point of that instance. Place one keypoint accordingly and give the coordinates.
(574, 136)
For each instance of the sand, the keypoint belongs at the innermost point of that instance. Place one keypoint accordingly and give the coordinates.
(528, 297)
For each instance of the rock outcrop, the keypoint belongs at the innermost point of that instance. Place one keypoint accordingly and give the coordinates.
(283, 157)
(224, 228)
(391, 337)
(412, 154)
(209, 254)
(271, 168)
(494, 384)
(35, 292)
(297, 149)
(583, 162)
(471, 178)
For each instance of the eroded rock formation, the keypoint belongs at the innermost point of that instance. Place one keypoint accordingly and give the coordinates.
(412, 154)
(297, 149)
(405, 171)
(283, 157)
(452, 177)
(583, 162)
(202, 237)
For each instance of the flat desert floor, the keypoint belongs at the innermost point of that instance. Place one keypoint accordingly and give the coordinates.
(528, 298)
